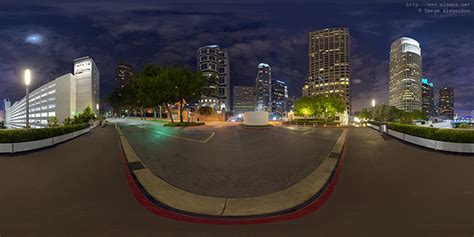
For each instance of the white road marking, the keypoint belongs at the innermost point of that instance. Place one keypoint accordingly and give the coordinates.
(308, 132)
(182, 138)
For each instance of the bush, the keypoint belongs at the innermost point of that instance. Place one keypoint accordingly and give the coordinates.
(184, 124)
(464, 125)
(25, 135)
(439, 134)
(256, 126)
(311, 122)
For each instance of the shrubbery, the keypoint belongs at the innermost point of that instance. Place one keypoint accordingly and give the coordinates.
(184, 124)
(311, 122)
(439, 134)
(25, 135)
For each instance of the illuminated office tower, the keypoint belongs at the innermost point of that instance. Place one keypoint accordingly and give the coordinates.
(427, 97)
(263, 80)
(87, 79)
(446, 102)
(244, 99)
(328, 65)
(405, 75)
(279, 96)
(123, 75)
(213, 62)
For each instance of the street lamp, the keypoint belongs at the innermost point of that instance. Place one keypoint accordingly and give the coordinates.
(373, 102)
(27, 83)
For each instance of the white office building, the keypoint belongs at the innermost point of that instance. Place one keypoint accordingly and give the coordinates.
(63, 97)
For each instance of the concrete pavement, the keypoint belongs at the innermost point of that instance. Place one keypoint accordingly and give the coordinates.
(387, 188)
(230, 161)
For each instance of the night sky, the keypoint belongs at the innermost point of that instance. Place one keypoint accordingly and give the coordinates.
(46, 36)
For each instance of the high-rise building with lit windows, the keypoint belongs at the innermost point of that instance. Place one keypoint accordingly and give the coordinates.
(213, 62)
(263, 79)
(279, 96)
(62, 97)
(244, 99)
(328, 64)
(405, 75)
(427, 97)
(123, 74)
(446, 102)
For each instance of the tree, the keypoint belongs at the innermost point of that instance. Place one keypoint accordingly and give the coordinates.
(190, 87)
(305, 107)
(331, 106)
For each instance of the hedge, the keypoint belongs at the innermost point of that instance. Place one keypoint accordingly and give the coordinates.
(25, 135)
(310, 122)
(184, 124)
(439, 134)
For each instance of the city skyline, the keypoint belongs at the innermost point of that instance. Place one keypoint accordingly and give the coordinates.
(261, 35)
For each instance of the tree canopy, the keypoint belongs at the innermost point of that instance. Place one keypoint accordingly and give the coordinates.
(320, 106)
(155, 86)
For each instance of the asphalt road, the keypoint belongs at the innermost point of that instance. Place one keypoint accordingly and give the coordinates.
(387, 188)
(230, 161)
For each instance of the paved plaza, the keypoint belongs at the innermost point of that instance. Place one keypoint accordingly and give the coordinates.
(230, 161)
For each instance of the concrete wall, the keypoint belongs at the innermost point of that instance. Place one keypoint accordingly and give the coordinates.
(256, 118)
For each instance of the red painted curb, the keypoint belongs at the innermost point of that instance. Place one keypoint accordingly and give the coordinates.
(306, 210)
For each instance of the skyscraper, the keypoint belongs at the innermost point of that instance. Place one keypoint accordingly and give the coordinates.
(405, 74)
(87, 80)
(213, 62)
(263, 80)
(427, 97)
(279, 96)
(446, 102)
(328, 64)
(123, 74)
(244, 99)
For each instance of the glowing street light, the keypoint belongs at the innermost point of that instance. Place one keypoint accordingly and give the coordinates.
(373, 102)
(27, 84)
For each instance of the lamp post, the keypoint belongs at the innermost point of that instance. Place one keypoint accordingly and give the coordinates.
(373, 109)
(27, 83)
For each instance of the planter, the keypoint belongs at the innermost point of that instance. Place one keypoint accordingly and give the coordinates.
(420, 141)
(28, 146)
(6, 147)
(62, 138)
(455, 147)
(433, 144)
(38, 144)
(398, 135)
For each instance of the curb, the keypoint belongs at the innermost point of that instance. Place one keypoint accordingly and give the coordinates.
(211, 210)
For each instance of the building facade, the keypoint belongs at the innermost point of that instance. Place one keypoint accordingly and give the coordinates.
(405, 71)
(123, 75)
(213, 62)
(427, 97)
(279, 97)
(446, 102)
(87, 80)
(328, 65)
(62, 98)
(263, 80)
(244, 99)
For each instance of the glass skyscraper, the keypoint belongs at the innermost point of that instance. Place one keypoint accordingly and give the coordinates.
(405, 75)
(263, 80)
